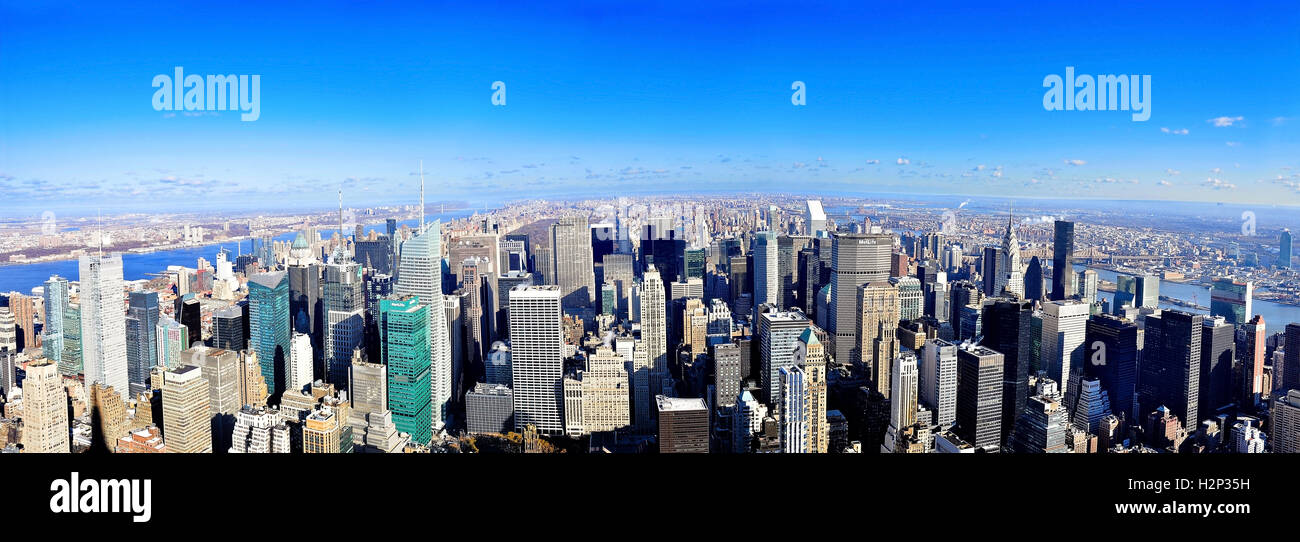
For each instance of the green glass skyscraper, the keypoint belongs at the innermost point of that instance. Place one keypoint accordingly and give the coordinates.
(269, 331)
(404, 348)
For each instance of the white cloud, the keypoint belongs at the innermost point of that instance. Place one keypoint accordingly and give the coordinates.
(1223, 122)
(1075, 162)
(1181, 131)
(1172, 171)
(903, 161)
(872, 162)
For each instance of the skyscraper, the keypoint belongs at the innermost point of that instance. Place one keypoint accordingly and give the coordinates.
(856, 259)
(187, 423)
(404, 336)
(345, 318)
(1034, 280)
(1112, 358)
(979, 395)
(268, 313)
(141, 339)
(683, 425)
(654, 327)
(1290, 377)
(420, 275)
(45, 409)
(1006, 330)
(1171, 365)
(767, 287)
(877, 324)
(305, 306)
(1231, 299)
(1041, 428)
(1251, 349)
(1218, 354)
(1284, 249)
(103, 322)
(1062, 262)
(792, 410)
(778, 335)
(1285, 426)
(571, 240)
(537, 357)
(903, 401)
(810, 355)
(1064, 330)
(56, 307)
(1010, 280)
(937, 381)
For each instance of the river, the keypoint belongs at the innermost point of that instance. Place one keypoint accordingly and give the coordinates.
(23, 277)
(1276, 315)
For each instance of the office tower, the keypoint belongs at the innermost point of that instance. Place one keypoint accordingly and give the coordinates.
(141, 338)
(816, 217)
(1062, 263)
(8, 371)
(259, 430)
(695, 326)
(1063, 333)
(24, 311)
(571, 241)
(498, 365)
(189, 313)
(370, 420)
(326, 430)
(374, 254)
(1284, 249)
(964, 293)
(618, 271)
(979, 396)
(543, 267)
(903, 402)
(726, 374)
(474, 287)
(642, 408)
(787, 268)
(187, 419)
(898, 265)
(221, 369)
(420, 275)
(103, 322)
(654, 327)
(489, 408)
(767, 287)
(1290, 377)
(792, 410)
(404, 350)
(683, 425)
(305, 305)
(522, 278)
(1285, 426)
(1148, 292)
(856, 259)
(937, 381)
(345, 318)
(694, 261)
(270, 332)
(70, 363)
(1041, 428)
(1010, 280)
(1088, 286)
(56, 307)
(1231, 299)
(301, 362)
(605, 393)
(8, 331)
(740, 282)
(45, 409)
(778, 335)
(1171, 364)
(228, 328)
(537, 357)
(1034, 280)
(1091, 405)
(990, 273)
(252, 387)
(910, 302)
(1006, 329)
(1251, 348)
(172, 339)
(1125, 293)
(1112, 358)
(810, 355)
(927, 272)
(1218, 353)
(877, 324)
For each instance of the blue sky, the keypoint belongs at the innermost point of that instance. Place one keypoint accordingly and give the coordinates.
(609, 99)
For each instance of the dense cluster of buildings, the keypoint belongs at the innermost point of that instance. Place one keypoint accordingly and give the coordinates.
(613, 327)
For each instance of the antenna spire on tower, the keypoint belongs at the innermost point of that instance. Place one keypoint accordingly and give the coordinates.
(421, 197)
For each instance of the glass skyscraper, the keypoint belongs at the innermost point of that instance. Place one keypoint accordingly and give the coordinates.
(269, 330)
(404, 348)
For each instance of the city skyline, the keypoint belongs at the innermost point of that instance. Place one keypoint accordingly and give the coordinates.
(896, 101)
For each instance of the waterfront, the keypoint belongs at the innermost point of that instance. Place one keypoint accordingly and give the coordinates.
(1276, 315)
(136, 266)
